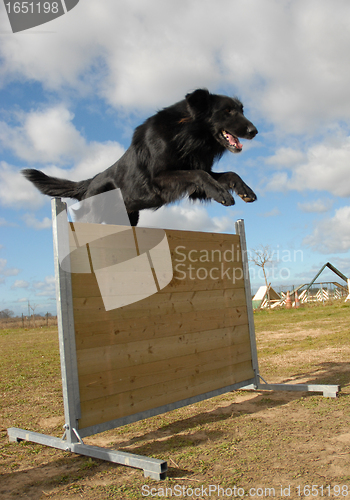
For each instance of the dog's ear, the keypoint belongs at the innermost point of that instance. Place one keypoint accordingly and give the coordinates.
(198, 101)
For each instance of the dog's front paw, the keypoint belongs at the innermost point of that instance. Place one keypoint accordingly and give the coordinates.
(245, 192)
(248, 197)
(225, 198)
(231, 181)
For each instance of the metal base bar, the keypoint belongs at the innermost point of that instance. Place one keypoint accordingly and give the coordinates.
(329, 391)
(152, 467)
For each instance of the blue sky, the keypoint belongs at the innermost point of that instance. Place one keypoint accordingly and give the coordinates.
(73, 90)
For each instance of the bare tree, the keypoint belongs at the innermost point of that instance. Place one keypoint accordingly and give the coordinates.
(261, 257)
(6, 313)
(30, 307)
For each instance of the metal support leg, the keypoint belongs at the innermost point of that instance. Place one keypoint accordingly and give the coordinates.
(152, 467)
(329, 391)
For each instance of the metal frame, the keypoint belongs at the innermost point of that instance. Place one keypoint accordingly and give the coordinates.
(71, 440)
(259, 383)
(72, 437)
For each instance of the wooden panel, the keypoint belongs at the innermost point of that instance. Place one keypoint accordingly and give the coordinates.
(189, 338)
(148, 350)
(91, 309)
(104, 409)
(203, 261)
(106, 383)
(85, 285)
(180, 314)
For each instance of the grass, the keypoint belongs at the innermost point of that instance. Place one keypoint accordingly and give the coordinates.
(241, 439)
(30, 360)
(330, 322)
(279, 318)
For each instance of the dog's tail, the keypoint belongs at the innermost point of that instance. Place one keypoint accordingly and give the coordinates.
(53, 186)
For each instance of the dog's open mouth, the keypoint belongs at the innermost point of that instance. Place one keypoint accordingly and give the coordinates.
(233, 143)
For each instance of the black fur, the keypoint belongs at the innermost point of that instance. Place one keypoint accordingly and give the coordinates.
(171, 155)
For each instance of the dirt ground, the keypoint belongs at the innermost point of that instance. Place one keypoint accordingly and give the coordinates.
(240, 445)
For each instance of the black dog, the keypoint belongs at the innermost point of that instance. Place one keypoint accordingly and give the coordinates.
(171, 155)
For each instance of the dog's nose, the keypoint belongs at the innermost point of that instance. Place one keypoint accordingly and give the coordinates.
(251, 131)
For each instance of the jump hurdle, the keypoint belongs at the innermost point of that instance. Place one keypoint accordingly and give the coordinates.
(190, 340)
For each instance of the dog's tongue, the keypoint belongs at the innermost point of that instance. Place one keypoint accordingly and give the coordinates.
(233, 141)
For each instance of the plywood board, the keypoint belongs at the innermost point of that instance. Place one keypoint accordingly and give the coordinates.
(188, 338)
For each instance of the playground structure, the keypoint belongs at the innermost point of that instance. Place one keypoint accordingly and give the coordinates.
(305, 293)
(265, 296)
(321, 292)
(190, 340)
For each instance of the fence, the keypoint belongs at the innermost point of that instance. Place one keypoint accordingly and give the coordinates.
(28, 322)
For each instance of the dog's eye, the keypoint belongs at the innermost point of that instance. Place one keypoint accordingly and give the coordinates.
(228, 110)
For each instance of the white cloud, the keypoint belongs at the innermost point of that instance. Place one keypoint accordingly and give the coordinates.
(279, 181)
(15, 190)
(188, 215)
(49, 136)
(286, 157)
(316, 206)
(23, 299)
(325, 168)
(33, 222)
(343, 264)
(289, 58)
(44, 136)
(39, 289)
(96, 158)
(272, 213)
(20, 284)
(3, 263)
(4, 222)
(7, 271)
(331, 235)
(46, 288)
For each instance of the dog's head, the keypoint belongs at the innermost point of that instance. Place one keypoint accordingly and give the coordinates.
(224, 116)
